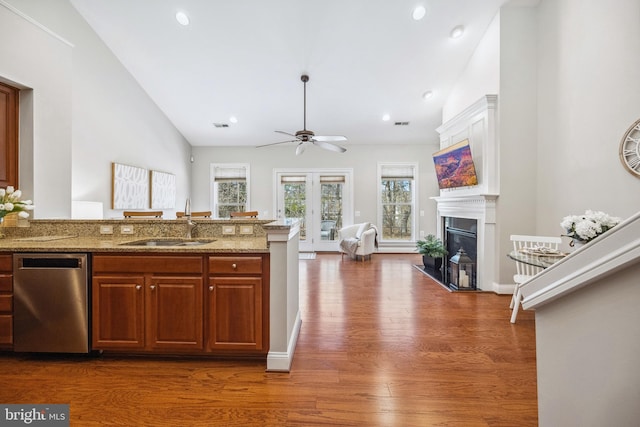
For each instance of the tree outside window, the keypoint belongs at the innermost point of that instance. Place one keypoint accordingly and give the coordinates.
(232, 197)
(230, 189)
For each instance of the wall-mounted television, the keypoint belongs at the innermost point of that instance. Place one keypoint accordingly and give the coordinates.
(454, 166)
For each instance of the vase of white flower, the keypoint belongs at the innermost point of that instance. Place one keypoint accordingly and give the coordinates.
(584, 228)
(10, 203)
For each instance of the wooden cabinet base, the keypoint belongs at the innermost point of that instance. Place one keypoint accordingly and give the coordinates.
(213, 306)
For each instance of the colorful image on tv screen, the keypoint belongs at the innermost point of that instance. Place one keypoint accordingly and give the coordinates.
(454, 166)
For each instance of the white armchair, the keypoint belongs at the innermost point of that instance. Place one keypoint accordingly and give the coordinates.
(358, 240)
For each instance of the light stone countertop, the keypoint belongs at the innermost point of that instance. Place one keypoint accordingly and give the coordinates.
(60, 235)
(101, 244)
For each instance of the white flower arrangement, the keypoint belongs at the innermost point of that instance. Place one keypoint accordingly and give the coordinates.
(10, 202)
(587, 227)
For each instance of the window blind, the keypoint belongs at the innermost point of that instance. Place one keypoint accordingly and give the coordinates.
(397, 171)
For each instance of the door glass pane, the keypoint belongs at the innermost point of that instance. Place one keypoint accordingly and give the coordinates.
(396, 199)
(295, 204)
(330, 210)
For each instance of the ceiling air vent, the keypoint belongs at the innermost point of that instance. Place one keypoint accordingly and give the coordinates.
(221, 125)
(401, 123)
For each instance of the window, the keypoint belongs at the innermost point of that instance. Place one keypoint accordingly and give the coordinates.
(230, 189)
(397, 201)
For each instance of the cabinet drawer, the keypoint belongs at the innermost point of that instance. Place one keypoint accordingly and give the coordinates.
(6, 304)
(235, 265)
(6, 283)
(6, 263)
(147, 264)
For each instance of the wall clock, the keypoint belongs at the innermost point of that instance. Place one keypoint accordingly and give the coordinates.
(630, 149)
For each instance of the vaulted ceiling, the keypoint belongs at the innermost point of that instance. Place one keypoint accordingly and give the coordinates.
(243, 59)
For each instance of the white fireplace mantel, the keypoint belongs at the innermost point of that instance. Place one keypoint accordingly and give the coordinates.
(482, 208)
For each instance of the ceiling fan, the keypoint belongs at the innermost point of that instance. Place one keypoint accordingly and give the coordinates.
(305, 137)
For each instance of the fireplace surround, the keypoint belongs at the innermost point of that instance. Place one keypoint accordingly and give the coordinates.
(482, 210)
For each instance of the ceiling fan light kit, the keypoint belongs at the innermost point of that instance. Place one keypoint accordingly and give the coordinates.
(306, 136)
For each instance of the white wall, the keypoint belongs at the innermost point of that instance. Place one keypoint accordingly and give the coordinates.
(481, 75)
(104, 116)
(587, 348)
(588, 90)
(517, 204)
(362, 158)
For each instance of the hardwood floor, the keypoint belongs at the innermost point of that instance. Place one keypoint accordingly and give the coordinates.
(381, 344)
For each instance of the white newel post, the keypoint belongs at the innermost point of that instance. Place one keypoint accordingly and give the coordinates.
(284, 312)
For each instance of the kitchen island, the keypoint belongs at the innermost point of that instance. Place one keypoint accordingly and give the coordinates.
(231, 290)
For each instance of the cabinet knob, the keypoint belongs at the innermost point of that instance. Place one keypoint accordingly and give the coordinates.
(211, 288)
(152, 287)
(138, 287)
(234, 266)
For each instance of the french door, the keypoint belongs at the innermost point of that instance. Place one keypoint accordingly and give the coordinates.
(320, 200)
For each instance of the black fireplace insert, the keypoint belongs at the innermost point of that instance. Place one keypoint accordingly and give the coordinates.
(460, 233)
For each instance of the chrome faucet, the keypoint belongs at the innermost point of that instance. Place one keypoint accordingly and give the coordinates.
(187, 214)
(187, 208)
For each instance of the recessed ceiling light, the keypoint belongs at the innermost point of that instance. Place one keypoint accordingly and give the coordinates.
(428, 94)
(457, 32)
(386, 118)
(182, 18)
(419, 12)
(233, 119)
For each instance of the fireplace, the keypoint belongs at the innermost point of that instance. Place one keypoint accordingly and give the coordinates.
(471, 218)
(460, 233)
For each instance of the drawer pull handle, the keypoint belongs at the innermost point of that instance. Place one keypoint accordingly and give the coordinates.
(152, 287)
(234, 266)
(211, 288)
(138, 287)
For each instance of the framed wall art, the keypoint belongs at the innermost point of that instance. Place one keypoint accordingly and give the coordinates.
(455, 167)
(129, 187)
(163, 190)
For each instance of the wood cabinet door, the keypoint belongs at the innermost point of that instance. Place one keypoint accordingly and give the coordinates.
(6, 330)
(235, 313)
(118, 312)
(8, 135)
(175, 319)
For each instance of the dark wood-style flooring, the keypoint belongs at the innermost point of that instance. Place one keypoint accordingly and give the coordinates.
(381, 344)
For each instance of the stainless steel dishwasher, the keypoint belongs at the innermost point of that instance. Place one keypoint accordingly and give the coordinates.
(51, 303)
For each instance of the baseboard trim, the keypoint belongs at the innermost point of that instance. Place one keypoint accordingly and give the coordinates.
(501, 288)
(279, 361)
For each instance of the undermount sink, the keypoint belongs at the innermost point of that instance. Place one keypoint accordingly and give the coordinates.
(167, 242)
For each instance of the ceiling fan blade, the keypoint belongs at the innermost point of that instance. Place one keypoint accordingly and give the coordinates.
(287, 133)
(300, 148)
(329, 146)
(276, 143)
(330, 138)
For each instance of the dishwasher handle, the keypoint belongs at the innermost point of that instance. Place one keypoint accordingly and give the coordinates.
(45, 262)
